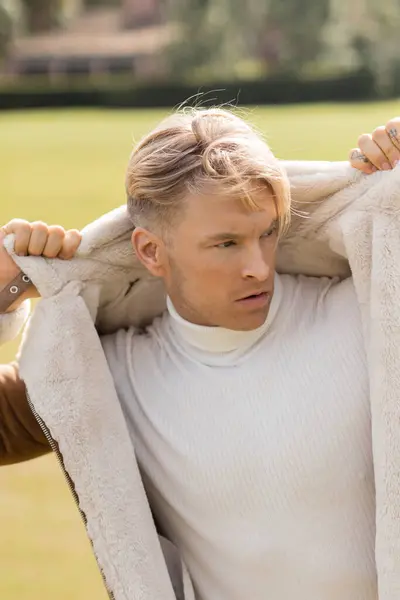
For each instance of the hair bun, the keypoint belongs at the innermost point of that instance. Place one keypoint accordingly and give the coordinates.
(209, 126)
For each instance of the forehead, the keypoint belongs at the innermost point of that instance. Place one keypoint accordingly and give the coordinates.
(213, 212)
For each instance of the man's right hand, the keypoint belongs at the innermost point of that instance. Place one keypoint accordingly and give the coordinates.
(34, 239)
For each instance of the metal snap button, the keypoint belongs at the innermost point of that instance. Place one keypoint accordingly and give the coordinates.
(14, 289)
(25, 279)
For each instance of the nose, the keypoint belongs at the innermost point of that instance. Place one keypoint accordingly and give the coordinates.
(255, 265)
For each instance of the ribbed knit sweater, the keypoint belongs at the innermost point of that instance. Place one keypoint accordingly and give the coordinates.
(255, 447)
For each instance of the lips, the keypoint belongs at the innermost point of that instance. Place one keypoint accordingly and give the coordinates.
(255, 301)
(254, 294)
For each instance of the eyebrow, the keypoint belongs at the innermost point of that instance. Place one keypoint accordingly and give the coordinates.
(215, 237)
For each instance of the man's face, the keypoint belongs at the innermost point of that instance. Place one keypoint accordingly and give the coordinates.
(223, 252)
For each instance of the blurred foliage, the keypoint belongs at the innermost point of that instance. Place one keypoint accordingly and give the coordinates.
(11, 16)
(300, 25)
(42, 15)
(232, 40)
(6, 28)
(117, 93)
(223, 35)
(364, 34)
(95, 3)
(36, 16)
(298, 36)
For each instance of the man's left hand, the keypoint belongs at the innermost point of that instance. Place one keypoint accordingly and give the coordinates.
(379, 151)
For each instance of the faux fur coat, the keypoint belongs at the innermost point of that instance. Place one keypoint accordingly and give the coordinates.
(344, 224)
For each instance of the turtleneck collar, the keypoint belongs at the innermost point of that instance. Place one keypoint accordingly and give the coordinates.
(218, 340)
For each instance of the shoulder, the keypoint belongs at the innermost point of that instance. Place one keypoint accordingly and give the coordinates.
(320, 295)
(130, 355)
(317, 287)
(120, 347)
(115, 347)
(115, 344)
(301, 287)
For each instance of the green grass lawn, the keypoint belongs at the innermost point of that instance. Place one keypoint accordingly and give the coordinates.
(68, 168)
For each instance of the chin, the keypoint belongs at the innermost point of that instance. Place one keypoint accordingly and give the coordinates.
(248, 323)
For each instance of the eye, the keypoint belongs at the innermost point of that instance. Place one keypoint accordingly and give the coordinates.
(225, 244)
(270, 232)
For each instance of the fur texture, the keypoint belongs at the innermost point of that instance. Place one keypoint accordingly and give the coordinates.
(12, 323)
(345, 223)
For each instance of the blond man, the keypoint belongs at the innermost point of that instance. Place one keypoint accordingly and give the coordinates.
(239, 345)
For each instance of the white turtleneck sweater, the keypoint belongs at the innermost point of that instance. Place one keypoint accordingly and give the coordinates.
(255, 447)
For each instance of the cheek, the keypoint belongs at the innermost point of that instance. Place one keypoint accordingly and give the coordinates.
(269, 249)
(271, 257)
(200, 267)
(217, 272)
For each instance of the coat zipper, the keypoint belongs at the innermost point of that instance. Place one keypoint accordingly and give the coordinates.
(54, 446)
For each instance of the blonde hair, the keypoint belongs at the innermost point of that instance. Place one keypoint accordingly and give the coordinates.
(190, 152)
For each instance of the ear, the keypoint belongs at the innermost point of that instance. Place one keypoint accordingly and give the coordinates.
(149, 248)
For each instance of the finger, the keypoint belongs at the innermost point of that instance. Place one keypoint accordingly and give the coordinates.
(373, 152)
(38, 238)
(13, 225)
(55, 240)
(71, 244)
(393, 130)
(359, 161)
(22, 230)
(381, 137)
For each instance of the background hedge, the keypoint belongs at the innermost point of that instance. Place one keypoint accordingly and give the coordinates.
(278, 90)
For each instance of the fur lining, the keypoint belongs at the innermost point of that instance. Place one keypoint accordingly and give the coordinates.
(13, 322)
(351, 226)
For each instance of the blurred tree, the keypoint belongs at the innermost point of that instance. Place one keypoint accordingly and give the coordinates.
(297, 27)
(69, 9)
(380, 36)
(95, 3)
(10, 20)
(42, 15)
(198, 40)
(214, 36)
(364, 34)
(283, 35)
(45, 15)
(6, 28)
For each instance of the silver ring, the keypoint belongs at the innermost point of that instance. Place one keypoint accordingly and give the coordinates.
(14, 289)
(25, 279)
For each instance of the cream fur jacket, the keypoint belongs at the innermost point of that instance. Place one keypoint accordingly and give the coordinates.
(345, 223)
